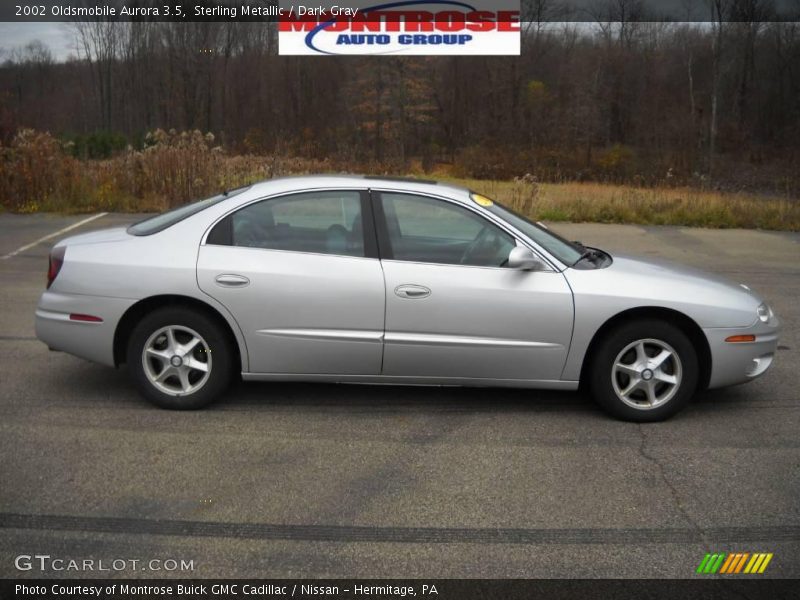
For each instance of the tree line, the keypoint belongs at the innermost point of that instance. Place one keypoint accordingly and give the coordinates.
(615, 98)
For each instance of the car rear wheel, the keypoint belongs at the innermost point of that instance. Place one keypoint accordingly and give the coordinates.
(644, 371)
(179, 358)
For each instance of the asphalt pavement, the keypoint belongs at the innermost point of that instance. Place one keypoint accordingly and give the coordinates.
(302, 480)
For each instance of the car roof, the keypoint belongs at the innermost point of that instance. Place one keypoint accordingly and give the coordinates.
(307, 182)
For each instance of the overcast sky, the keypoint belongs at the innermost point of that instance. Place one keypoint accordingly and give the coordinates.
(56, 36)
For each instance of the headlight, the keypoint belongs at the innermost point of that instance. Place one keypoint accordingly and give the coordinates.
(764, 312)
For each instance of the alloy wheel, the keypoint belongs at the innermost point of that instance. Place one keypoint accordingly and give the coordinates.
(176, 360)
(646, 374)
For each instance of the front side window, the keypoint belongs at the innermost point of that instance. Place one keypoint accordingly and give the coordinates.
(423, 229)
(321, 222)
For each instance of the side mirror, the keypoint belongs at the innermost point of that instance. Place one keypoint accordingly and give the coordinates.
(523, 259)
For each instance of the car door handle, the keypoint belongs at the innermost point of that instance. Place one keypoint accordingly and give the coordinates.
(412, 291)
(229, 280)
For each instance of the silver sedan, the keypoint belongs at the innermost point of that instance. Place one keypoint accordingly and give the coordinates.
(382, 280)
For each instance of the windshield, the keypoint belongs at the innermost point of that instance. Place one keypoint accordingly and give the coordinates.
(567, 252)
(167, 219)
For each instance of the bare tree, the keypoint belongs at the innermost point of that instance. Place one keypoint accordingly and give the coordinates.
(720, 10)
(98, 44)
(717, 97)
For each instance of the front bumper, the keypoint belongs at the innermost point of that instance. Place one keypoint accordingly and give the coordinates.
(89, 340)
(739, 362)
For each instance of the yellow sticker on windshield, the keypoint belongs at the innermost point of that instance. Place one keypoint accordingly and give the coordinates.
(482, 200)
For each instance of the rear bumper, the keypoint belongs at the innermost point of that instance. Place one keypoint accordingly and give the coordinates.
(739, 362)
(93, 341)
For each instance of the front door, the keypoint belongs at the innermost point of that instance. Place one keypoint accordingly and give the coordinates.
(453, 310)
(297, 276)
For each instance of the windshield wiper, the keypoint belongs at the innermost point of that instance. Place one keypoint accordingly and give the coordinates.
(588, 253)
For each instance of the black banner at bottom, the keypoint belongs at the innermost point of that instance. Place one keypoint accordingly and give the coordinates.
(394, 589)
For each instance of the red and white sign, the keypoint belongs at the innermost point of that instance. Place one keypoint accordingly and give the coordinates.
(400, 28)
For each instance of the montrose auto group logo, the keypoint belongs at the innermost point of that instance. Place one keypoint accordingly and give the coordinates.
(400, 28)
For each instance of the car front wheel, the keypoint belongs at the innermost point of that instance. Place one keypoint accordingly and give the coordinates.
(179, 358)
(644, 371)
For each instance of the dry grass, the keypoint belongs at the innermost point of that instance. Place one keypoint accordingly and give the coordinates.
(38, 174)
(601, 203)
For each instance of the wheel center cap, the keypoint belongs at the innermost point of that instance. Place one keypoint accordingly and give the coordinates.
(176, 361)
(647, 374)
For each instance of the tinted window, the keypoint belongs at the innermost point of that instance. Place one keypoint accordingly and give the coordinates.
(321, 222)
(424, 229)
(169, 218)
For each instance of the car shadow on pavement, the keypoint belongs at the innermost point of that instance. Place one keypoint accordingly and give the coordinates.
(487, 399)
(88, 384)
(95, 384)
(383, 397)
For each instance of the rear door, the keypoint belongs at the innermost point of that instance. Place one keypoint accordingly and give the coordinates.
(453, 310)
(301, 276)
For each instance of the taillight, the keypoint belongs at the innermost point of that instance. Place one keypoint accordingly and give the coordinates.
(56, 262)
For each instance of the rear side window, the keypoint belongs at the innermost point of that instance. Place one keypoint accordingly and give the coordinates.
(169, 218)
(327, 222)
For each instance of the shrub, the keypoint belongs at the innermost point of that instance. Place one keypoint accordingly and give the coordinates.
(173, 167)
(40, 172)
(34, 169)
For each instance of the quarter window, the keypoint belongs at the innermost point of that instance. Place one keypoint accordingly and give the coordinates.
(321, 222)
(423, 229)
(169, 218)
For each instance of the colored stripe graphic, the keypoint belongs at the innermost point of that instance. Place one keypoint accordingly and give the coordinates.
(754, 560)
(735, 563)
(737, 557)
(703, 563)
(740, 564)
(727, 564)
(711, 563)
(715, 567)
(764, 564)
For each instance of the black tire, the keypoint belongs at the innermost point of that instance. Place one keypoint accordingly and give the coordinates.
(213, 348)
(602, 377)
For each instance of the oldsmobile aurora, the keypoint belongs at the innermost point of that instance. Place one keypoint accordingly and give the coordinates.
(382, 280)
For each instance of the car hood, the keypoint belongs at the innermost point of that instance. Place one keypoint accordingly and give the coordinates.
(631, 281)
(113, 234)
(666, 270)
